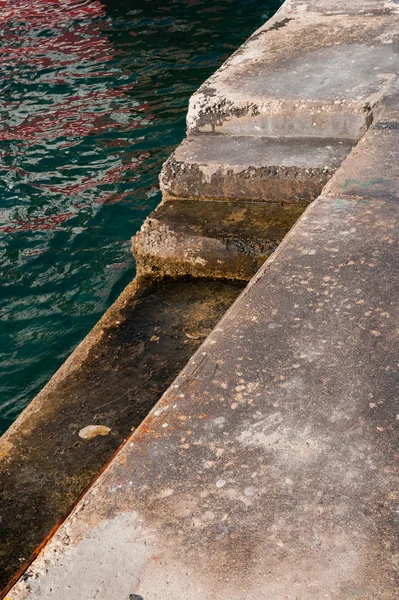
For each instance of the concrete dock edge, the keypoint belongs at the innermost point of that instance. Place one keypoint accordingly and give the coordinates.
(269, 468)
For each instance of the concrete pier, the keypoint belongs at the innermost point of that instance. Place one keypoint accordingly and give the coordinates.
(269, 467)
(270, 126)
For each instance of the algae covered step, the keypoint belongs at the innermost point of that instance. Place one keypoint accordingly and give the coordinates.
(211, 239)
(252, 168)
(110, 383)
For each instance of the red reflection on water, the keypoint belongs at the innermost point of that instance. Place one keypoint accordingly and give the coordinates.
(74, 44)
(56, 49)
(54, 11)
(38, 224)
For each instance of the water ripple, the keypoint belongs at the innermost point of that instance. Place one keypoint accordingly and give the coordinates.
(93, 100)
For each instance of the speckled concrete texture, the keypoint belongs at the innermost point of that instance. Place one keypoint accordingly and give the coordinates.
(316, 69)
(269, 468)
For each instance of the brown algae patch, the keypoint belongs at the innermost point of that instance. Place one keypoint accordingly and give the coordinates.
(110, 382)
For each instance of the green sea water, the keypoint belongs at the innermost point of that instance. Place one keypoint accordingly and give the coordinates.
(93, 99)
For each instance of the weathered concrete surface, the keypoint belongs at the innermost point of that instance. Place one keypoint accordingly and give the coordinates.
(252, 168)
(229, 200)
(111, 381)
(269, 469)
(290, 103)
(212, 239)
(386, 111)
(374, 167)
(314, 69)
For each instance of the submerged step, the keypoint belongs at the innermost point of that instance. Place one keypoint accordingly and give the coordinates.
(252, 168)
(211, 239)
(105, 389)
(312, 70)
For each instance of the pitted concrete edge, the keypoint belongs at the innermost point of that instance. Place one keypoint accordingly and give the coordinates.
(251, 168)
(272, 85)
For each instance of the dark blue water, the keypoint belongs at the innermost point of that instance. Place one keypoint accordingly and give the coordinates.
(93, 99)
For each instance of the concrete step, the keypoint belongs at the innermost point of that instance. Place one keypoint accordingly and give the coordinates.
(230, 200)
(269, 468)
(211, 239)
(313, 70)
(252, 168)
(112, 380)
